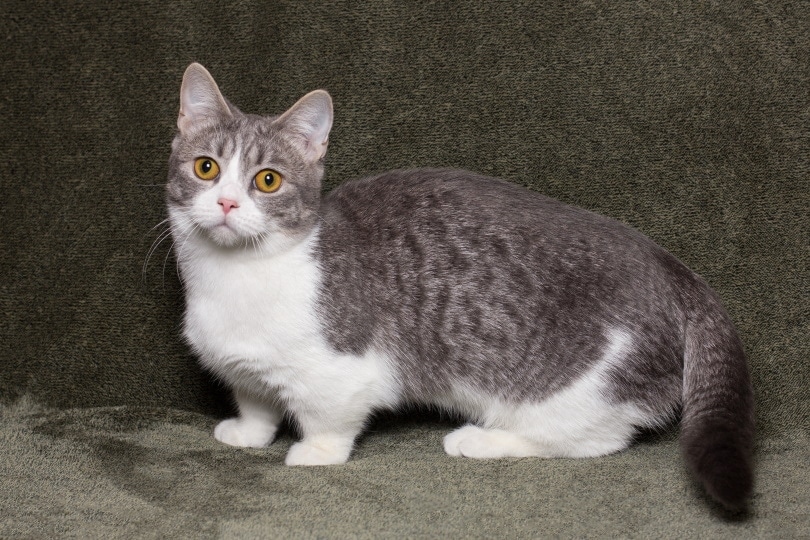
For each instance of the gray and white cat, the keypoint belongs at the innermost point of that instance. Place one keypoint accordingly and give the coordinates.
(555, 331)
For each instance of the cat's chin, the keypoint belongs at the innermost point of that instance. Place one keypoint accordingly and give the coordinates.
(227, 238)
(224, 236)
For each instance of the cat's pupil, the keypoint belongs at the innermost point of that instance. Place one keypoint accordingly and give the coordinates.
(206, 166)
(268, 178)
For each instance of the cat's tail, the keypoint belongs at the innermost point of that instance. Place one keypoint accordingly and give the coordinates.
(717, 424)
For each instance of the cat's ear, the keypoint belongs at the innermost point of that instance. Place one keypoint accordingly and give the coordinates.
(310, 120)
(200, 98)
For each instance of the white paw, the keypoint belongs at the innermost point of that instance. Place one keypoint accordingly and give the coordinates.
(479, 443)
(319, 452)
(238, 432)
(467, 441)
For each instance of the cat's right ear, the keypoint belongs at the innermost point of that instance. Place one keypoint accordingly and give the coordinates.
(200, 98)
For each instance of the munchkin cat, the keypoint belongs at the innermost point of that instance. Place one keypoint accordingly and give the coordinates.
(554, 331)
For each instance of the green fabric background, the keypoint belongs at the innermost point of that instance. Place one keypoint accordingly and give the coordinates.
(690, 121)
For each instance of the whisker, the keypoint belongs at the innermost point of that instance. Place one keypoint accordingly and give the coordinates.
(181, 222)
(163, 269)
(159, 224)
(194, 228)
(149, 254)
(155, 245)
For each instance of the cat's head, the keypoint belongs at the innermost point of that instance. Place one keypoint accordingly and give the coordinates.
(245, 180)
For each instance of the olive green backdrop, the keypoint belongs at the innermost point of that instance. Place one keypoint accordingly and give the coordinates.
(690, 121)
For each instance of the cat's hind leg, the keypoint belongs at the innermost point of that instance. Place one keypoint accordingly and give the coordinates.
(579, 420)
(256, 425)
(575, 422)
(476, 442)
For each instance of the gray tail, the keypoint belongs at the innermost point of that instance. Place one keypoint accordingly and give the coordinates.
(717, 425)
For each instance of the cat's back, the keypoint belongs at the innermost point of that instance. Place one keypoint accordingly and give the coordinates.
(457, 205)
(421, 191)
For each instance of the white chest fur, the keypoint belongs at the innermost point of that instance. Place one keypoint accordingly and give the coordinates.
(252, 320)
(251, 316)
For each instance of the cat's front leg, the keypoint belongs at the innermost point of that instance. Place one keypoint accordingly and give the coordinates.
(328, 436)
(321, 449)
(256, 425)
(332, 399)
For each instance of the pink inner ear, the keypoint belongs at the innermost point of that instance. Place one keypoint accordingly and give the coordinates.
(315, 144)
(310, 120)
(317, 137)
(200, 98)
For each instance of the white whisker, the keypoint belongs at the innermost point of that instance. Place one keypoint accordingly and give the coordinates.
(155, 245)
(194, 228)
(159, 224)
(174, 227)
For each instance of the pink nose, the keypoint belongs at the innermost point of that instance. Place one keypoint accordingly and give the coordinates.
(227, 204)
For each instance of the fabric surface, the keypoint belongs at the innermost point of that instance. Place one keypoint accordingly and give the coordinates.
(123, 472)
(689, 122)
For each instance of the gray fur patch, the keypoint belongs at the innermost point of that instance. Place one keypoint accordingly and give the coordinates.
(472, 279)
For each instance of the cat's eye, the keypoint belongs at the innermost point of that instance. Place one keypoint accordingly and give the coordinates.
(206, 168)
(268, 180)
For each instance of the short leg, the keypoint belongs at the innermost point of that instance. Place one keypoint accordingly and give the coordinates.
(256, 425)
(476, 442)
(322, 449)
(328, 435)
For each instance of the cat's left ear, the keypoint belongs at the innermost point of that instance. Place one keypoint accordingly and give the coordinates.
(200, 98)
(310, 121)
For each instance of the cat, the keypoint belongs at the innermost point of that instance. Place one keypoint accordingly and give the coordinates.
(555, 331)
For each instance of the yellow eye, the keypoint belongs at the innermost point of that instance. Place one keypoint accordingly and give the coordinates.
(268, 180)
(206, 168)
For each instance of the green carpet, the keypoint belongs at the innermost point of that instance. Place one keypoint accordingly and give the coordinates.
(130, 471)
(688, 121)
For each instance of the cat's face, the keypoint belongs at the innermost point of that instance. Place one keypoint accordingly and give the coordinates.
(245, 180)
